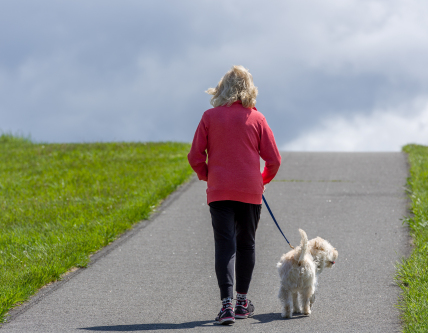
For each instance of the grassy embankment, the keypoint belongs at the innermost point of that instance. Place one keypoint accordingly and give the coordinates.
(412, 273)
(61, 202)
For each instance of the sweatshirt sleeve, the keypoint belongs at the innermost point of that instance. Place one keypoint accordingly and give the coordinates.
(197, 156)
(269, 153)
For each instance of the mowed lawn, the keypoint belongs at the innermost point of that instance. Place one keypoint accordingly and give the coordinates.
(412, 273)
(61, 202)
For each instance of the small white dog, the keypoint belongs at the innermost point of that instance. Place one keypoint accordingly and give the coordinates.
(298, 270)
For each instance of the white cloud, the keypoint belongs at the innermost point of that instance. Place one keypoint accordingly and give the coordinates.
(382, 130)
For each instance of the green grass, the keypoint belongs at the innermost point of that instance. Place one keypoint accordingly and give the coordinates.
(61, 202)
(412, 273)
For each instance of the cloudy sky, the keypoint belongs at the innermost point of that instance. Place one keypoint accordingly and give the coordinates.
(333, 75)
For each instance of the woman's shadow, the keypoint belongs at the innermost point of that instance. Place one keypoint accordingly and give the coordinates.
(149, 327)
(259, 319)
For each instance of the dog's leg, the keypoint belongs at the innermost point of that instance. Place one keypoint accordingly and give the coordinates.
(296, 303)
(282, 295)
(306, 300)
(287, 309)
(312, 300)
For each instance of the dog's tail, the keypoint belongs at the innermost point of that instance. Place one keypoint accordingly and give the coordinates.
(303, 244)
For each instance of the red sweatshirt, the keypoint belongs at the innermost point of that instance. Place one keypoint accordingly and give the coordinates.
(235, 138)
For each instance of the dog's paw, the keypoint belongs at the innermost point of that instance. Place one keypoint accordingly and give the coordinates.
(287, 314)
(307, 312)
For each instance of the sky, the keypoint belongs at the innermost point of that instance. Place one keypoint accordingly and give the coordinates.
(334, 75)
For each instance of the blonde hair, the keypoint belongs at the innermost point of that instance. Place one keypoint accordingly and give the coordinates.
(236, 84)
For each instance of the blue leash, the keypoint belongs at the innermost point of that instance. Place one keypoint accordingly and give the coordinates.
(273, 217)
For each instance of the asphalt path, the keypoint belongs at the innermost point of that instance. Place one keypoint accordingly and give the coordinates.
(160, 276)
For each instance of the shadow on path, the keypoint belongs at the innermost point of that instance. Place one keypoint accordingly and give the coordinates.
(148, 327)
(260, 319)
(264, 318)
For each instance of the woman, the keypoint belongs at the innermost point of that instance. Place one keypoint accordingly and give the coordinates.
(234, 135)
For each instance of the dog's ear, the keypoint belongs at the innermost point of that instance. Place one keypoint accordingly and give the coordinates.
(318, 244)
(335, 253)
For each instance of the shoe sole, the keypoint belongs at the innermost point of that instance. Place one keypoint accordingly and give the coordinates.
(244, 316)
(226, 321)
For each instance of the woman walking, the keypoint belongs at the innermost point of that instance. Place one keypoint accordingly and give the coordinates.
(234, 135)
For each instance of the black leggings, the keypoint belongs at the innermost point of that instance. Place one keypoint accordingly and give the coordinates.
(234, 224)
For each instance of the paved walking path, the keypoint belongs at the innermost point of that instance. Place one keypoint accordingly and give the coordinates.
(160, 277)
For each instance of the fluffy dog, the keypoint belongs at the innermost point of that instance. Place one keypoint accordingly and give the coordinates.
(298, 270)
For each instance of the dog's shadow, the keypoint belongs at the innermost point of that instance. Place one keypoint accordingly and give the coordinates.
(262, 318)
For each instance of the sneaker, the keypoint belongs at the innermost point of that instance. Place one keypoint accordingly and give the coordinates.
(244, 310)
(226, 316)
